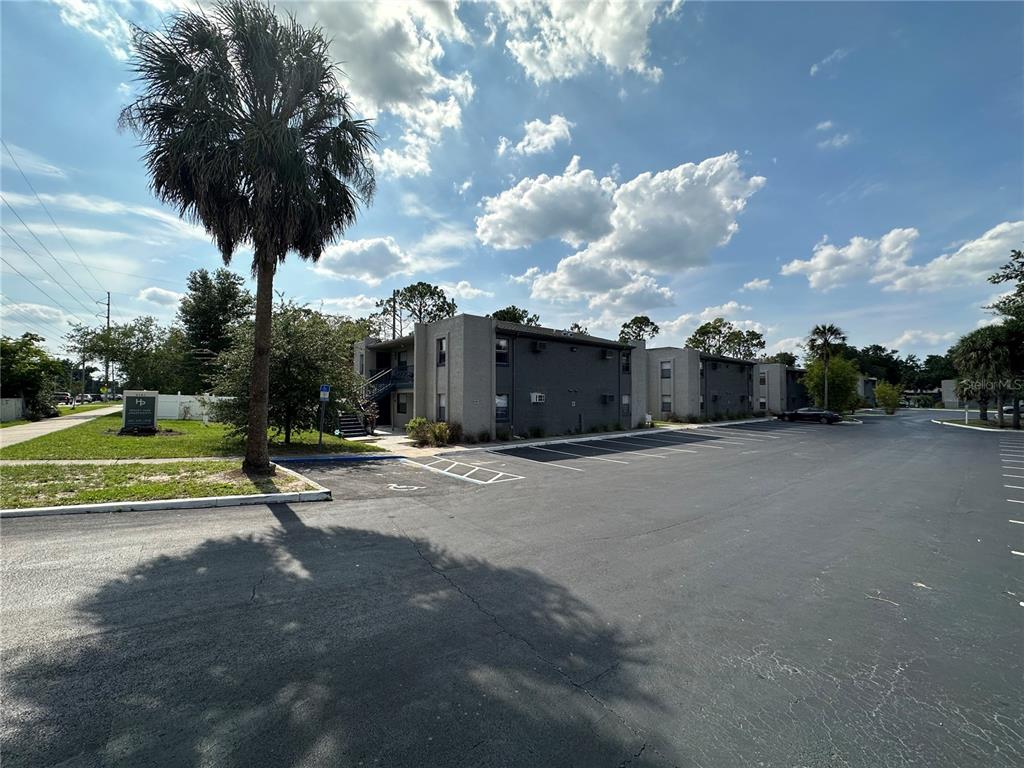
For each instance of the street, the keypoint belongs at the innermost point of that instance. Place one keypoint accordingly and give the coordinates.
(763, 594)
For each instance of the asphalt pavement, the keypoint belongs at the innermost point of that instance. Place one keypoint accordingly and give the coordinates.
(760, 595)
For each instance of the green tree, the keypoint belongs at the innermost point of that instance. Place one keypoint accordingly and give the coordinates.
(838, 379)
(934, 369)
(910, 371)
(248, 132)
(514, 314)
(308, 348)
(876, 361)
(888, 396)
(148, 355)
(425, 303)
(1011, 305)
(720, 337)
(640, 328)
(821, 345)
(211, 307)
(579, 328)
(27, 370)
(786, 358)
(983, 361)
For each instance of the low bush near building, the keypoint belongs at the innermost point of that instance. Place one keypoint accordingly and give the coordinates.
(484, 436)
(536, 432)
(888, 396)
(503, 434)
(420, 431)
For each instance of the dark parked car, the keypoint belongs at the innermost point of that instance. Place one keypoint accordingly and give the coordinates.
(811, 414)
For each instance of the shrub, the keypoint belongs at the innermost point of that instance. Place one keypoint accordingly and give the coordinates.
(469, 439)
(484, 436)
(617, 426)
(455, 432)
(420, 431)
(502, 433)
(887, 396)
(440, 433)
(536, 432)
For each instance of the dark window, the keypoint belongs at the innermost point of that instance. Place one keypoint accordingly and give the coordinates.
(403, 359)
(626, 362)
(402, 403)
(714, 398)
(666, 369)
(442, 407)
(762, 404)
(762, 378)
(666, 404)
(743, 398)
(501, 407)
(362, 363)
(442, 351)
(501, 351)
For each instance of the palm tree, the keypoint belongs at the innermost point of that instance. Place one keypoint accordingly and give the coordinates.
(820, 343)
(248, 132)
(983, 357)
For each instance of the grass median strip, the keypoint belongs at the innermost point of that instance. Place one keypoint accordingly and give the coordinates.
(51, 485)
(98, 439)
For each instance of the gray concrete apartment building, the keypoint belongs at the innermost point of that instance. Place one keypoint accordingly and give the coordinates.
(492, 376)
(779, 388)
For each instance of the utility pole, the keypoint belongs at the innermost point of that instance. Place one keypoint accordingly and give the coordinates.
(106, 350)
(394, 314)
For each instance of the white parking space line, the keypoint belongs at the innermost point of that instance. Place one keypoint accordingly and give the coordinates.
(1019, 554)
(541, 463)
(1022, 476)
(497, 476)
(577, 455)
(739, 430)
(732, 435)
(634, 447)
(1017, 487)
(688, 440)
(1018, 522)
(1016, 501)
(662, 447)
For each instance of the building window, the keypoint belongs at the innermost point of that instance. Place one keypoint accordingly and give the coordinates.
(362, 364)
(501, 408)
(442, 407)
(402, 402)
(762, 404)
(666, 369)
(403, 359)
(762, 378)
(702, 402)
(442, 351)
(501, 351)
(625, 400)
(626, 362)
(666, 403)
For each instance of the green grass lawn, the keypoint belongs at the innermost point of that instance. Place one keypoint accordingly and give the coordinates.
(66, 410)
(98, 439)
(52, 485)
(15, 423)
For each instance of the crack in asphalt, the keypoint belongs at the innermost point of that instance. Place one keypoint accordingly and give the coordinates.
(536, 653)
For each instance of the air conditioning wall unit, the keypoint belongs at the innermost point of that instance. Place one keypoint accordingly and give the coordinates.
(607, 354)
(538, 397)
(539, 346)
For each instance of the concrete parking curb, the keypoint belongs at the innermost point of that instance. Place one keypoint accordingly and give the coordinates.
(349, 457)
(318, 493)
(512, 444)
(996, 430)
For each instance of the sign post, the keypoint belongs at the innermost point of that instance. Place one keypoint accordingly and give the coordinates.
(325, 395)
(138, 416)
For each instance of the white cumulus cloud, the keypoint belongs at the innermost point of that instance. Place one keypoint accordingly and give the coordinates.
(886, 261)
(757, 284)
(829, 62)
(559, 39)
(464, 290)
(574, 207)
(161, 296)
(539, 136)
(918, 339)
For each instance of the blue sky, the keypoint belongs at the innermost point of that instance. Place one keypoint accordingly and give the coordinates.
(777, 164)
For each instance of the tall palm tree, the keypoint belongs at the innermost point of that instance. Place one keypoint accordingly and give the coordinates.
(983, 357)
(820, 343)
(248, 133)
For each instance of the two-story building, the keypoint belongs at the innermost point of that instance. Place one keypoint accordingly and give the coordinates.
(779, 388)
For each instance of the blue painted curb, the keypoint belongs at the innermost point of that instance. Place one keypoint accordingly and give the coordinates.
(336, 457)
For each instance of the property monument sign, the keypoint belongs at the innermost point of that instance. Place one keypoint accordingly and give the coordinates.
(139, 413)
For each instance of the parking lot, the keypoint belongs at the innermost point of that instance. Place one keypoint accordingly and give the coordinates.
(765, 593)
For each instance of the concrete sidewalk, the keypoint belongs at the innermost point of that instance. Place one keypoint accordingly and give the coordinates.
(23, 432)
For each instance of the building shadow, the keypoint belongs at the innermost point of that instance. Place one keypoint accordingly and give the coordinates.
(331, 646)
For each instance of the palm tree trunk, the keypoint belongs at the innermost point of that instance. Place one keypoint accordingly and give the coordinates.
(826, 383)
(257, 455)
(1000, 399)
(983, 405)
(1016, 411)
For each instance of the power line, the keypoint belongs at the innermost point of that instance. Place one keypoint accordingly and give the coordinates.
(16, 165)
(36, 285)
(128, 274)
(116, 293)
(27, 227)
(29, 321)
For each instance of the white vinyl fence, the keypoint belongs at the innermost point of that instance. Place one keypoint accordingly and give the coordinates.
(186, 407)
(11, 408)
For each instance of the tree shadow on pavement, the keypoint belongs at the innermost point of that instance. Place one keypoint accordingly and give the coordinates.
(325, 646)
